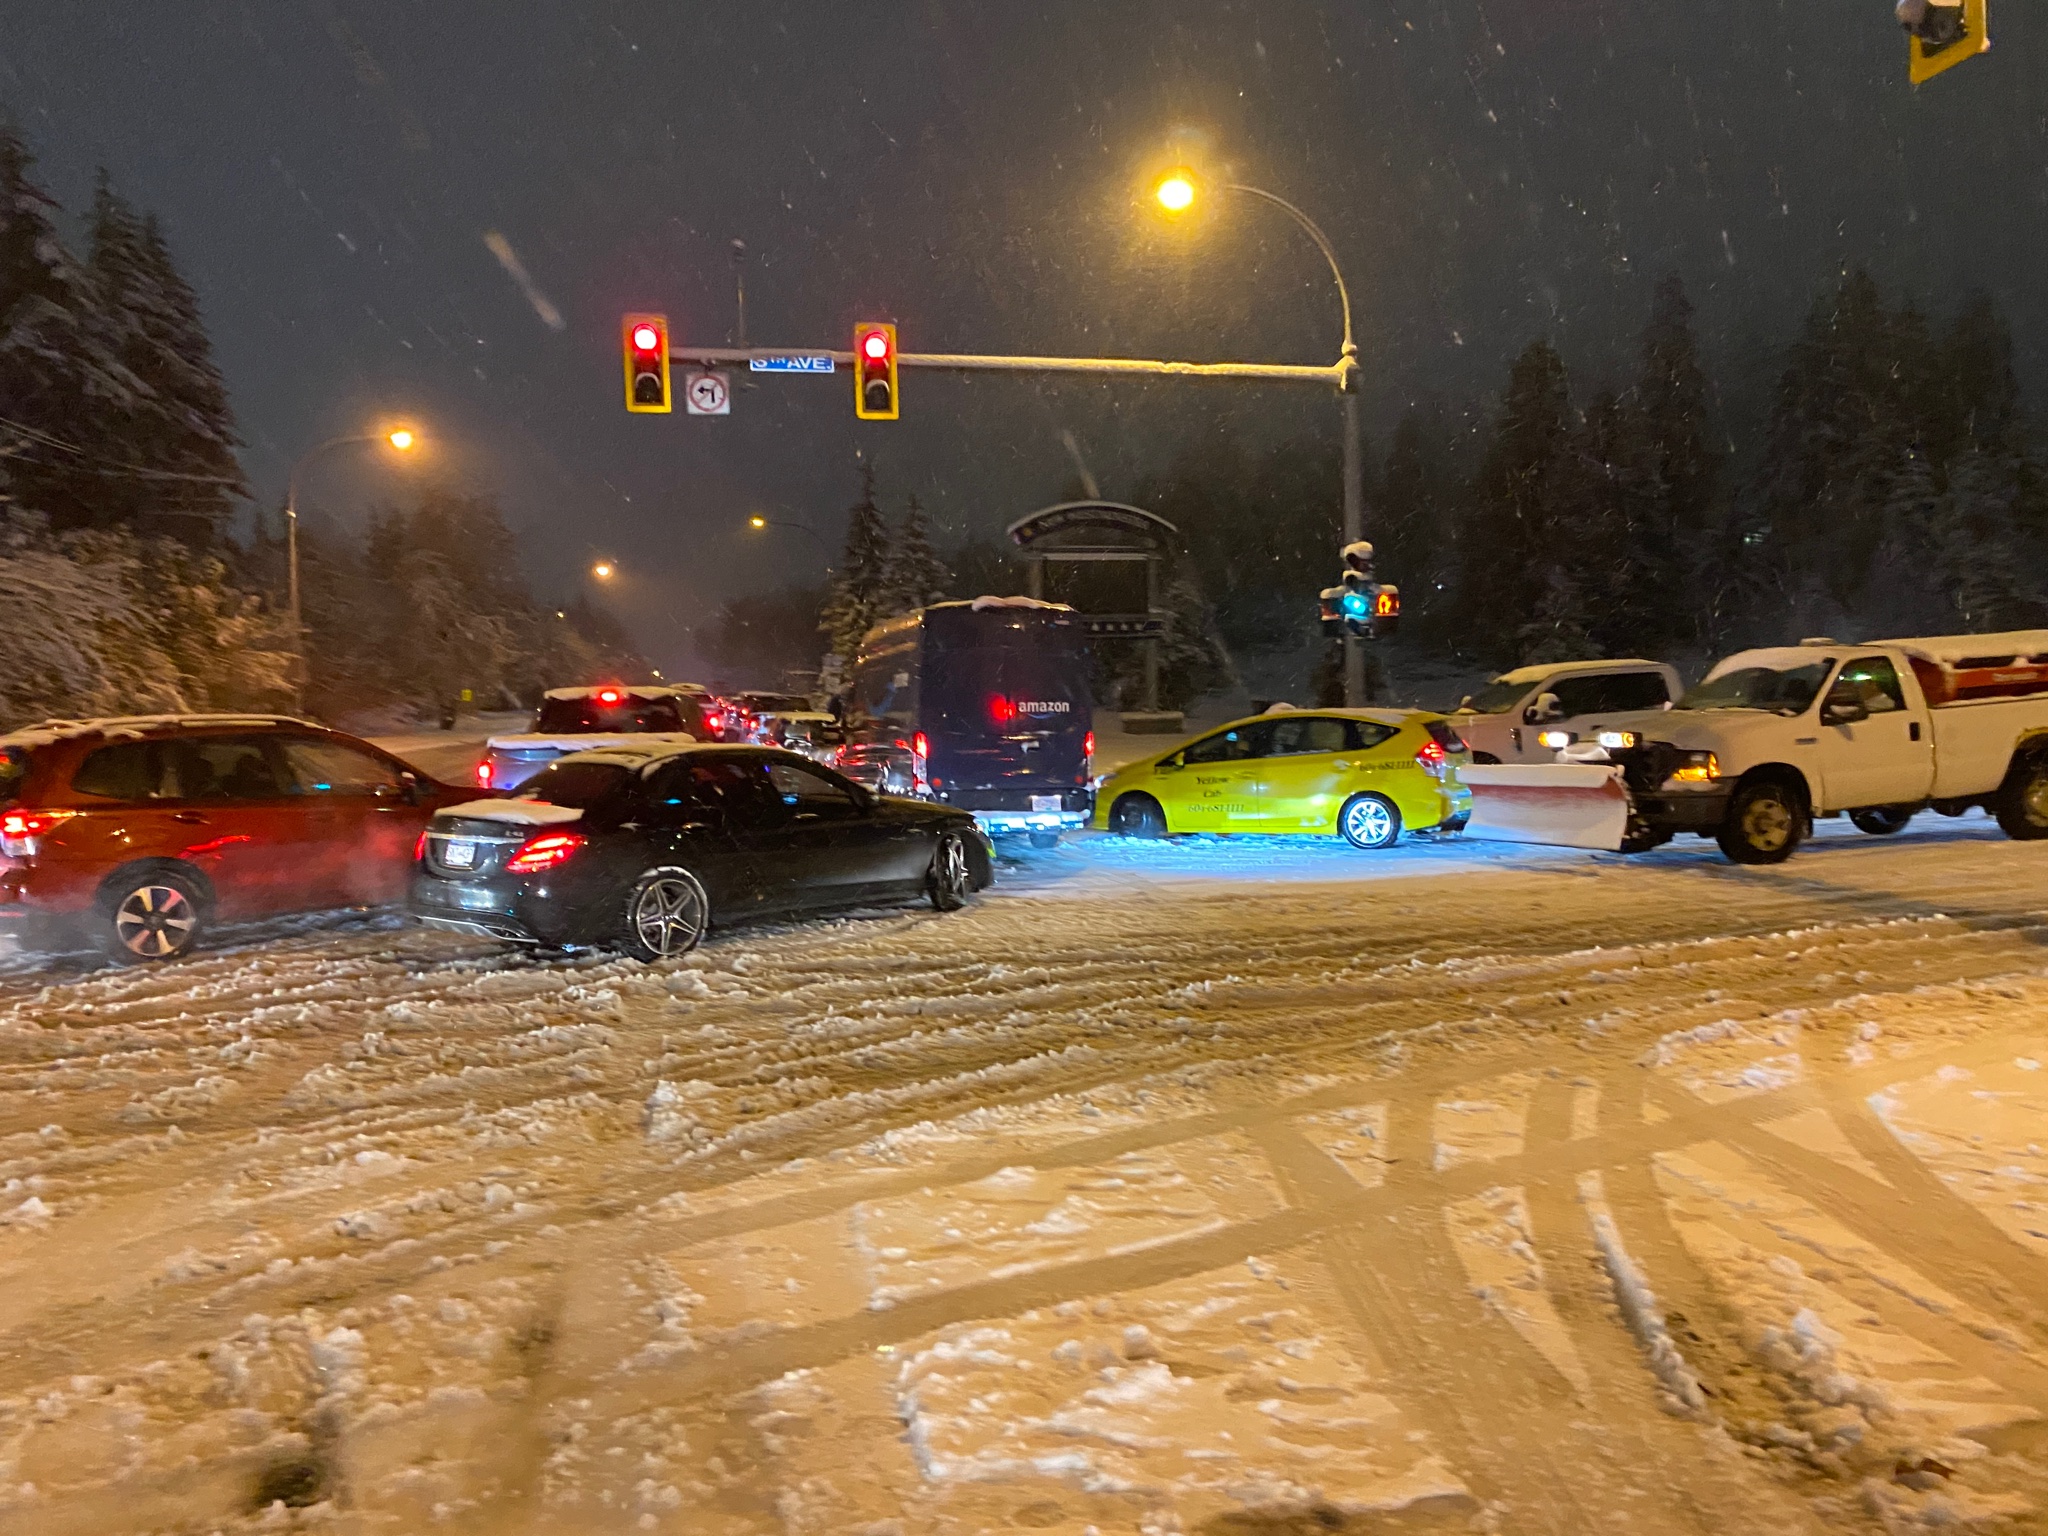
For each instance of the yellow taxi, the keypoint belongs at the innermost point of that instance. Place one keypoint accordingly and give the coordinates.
(1365, 775)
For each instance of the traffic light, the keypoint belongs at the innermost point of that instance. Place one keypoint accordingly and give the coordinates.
(646, 339)
(874, 372)
(1359, 605)
(1940, 34)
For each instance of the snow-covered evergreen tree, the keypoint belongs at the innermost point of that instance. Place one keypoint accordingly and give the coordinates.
(178, 439)
(855, 597)
(912, 574)
(1525, 476)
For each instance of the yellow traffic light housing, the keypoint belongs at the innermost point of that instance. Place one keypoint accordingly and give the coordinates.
(874, 371)
(646, 347)
(1924, 63)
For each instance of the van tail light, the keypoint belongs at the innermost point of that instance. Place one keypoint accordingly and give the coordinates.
(537, 855)
(483, 774)
(1001, 710)
(419, 848)
(1432, 757)
(921, 744)
(22, 832)
(1088, 745)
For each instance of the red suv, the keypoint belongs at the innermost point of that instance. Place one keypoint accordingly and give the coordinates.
(138, 832)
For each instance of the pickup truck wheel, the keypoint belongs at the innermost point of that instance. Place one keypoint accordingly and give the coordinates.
(1765, 824)
(1882, 820)
(2022, 805)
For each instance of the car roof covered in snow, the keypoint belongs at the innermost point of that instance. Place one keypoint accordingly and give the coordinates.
(49, 731)
(630, 690)
(1954, 651)
(1536, 674)
(645, 754)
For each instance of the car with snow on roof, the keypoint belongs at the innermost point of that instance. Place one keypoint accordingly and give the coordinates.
(577, 719)
(1525, 715)
(138, 832)
(645, 846)
(1365, 775)
(1773, 738)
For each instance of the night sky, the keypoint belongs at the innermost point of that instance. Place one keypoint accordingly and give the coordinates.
(328, 172)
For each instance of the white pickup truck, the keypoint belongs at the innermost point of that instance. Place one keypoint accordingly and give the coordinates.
(1770, 739)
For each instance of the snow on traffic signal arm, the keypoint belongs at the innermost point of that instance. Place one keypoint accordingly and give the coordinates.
(645, 338)
(874, 371)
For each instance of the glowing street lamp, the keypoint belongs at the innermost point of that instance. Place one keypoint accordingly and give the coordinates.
(402, 439)
(1176, 193)
(604, 570)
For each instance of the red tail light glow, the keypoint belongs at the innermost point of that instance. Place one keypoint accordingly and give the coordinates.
(419, 849)
(1088, 745)
(921, 744)
(714, 723)
(539, 854)
(22, 832)
(609, 695)
(483, 773)
(1432, 757)
(1001, 710)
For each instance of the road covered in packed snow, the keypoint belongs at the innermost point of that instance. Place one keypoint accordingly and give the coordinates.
(1199, 1187)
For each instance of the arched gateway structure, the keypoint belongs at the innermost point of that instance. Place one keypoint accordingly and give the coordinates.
(1103, 558)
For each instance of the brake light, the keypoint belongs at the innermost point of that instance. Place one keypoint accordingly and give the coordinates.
(539, 854)
(921, 744)
(1088, 745)
(609, 695)
(714, 723)
(1001, 710)
(419, 848)
(1432, 757)
(483, 773)
(22, 832)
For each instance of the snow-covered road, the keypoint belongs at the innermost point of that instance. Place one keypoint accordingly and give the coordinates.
(1249, 1188)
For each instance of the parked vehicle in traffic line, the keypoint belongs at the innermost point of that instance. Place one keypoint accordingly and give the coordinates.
(576, 719)
(1773, 738)
(137, 833)
(993, 697)
(1525, 715)
(1362, 774)
(645, 847)
(741, 712)
(886, 767)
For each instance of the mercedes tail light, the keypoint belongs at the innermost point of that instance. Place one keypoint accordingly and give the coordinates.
(22, 832)
(550, 850)
(419, 848)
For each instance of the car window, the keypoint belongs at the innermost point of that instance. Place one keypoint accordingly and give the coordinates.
(735, 785)
(808, 791)
(227, 768)
(582, 785)
(329, 768)
(1445, 735)
(13, 772)
(1234, 745)
(1872, 681)
(1309, 733)
(128, 770)
(1637, 690)
(591, 716)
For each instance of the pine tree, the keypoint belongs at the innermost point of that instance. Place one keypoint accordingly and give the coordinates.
(58, 365)
(912, 574)
(1521, 483)
(1974, 542)
(854, 600)
(180, 434)
(1673, 523)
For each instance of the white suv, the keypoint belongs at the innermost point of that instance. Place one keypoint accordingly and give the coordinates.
(1566, 701)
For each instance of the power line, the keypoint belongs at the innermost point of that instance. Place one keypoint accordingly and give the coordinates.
(115, 467)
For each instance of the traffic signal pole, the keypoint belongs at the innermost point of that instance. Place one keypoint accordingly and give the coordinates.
(1331, 377)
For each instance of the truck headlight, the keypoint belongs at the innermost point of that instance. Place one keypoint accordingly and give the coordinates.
(1619, 741)
(1696, 768)
(1557, 741)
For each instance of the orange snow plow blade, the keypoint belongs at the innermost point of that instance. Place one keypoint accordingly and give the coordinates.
(1563, 805)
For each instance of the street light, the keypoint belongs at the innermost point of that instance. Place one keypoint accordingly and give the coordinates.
(759, 522)
(401, 438)
(1176, 193)
(604, 570)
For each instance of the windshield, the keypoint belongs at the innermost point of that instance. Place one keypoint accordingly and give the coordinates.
(588, 716)
(1496, 696)
(582, 785)
(1783, 690)
(13, 771)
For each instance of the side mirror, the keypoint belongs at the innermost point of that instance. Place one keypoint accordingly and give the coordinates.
(1168, 764)
(1545, 709)
(1842, 709)
(409, 783)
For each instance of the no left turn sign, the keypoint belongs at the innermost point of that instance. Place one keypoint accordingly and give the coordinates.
(707, 393)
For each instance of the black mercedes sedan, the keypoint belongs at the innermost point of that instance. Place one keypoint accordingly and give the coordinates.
(645, 847)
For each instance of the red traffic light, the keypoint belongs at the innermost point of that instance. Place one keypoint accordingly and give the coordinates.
(646, 338)
(646, 348)
(874, 372)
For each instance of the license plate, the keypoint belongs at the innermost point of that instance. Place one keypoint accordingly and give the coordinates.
(1045, 802)
(458, 855)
